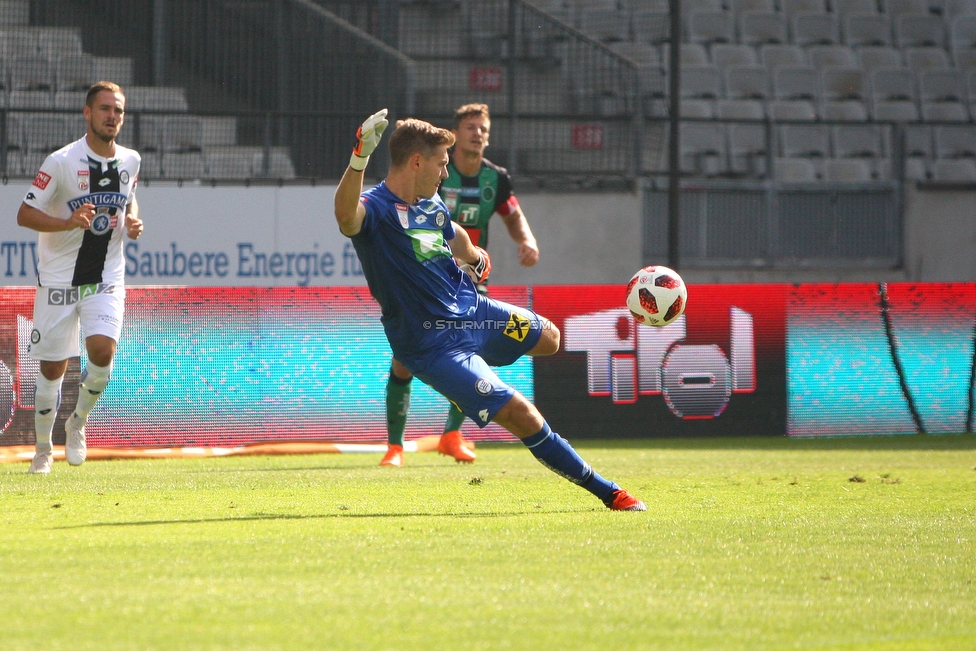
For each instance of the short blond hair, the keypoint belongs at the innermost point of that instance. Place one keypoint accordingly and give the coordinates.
(412, 136)
(98, 87)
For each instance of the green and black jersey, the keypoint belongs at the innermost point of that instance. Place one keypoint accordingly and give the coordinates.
(472, 200)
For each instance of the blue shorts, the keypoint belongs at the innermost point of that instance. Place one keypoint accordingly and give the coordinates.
(461, 372)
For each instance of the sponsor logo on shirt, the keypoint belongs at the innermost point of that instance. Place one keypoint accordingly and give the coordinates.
(100, 199)
(518, 327)
(41, 180)
(83, 180)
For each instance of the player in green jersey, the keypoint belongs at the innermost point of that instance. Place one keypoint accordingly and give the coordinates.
(474, 190)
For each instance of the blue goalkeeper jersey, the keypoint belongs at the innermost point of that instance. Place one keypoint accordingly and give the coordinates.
(411, 273)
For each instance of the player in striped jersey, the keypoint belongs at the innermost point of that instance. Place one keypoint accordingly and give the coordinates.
(82, 203)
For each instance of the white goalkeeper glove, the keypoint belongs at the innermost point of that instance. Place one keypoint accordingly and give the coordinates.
(480, 270)
(368, 136)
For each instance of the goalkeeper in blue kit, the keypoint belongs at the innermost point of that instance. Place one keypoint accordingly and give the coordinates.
(438, 325)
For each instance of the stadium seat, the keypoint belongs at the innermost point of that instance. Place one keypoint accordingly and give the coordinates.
(711, 27)
(867, 29)
(792, 110)
(794, 7)
(748, 150)
(945, 85)
(651, 27)
(895, 8)
(184, 165)
(800, 82)
(954, 8)
(696, 108)
(30, 99)
(963, 32)
(895, 111)
(894, 95)
(692, 6)
(815, 29)
(954, 171)
(844, 111)
(857, 141)
(641, 54)
(759, 28)
(953, 141)
(919, 31)
(604, 25)
(701, 82)
(69, 100)
(747, 82)
(118, 69)
(841, 84)
(739, 7)
(30, 73)
(733, 54)
(740, 109)
(45, 133)
(804, 141)
(971, 88)
(230, 162)
(182, 133)
(926, 58)
(875, 57)
(146, 130)
(943, 95)
(794, 170)
(703, 149)
(74, 72)
(845, 8)
(837, 170)
(692, 54)
(155, 98)
(964, 58)
(773, 56)
(918, 141)
(828, 56)
(944, 112)
(151, 166)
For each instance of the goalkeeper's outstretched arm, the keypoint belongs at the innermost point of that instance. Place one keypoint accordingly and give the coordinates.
(349, 210)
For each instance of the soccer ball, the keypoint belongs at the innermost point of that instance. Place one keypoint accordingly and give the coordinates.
(656, 295)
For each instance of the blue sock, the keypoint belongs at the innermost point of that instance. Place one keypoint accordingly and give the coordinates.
(556, 454)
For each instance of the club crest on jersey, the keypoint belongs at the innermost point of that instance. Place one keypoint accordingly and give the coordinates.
(440, 219)
(83, 176)
(483, 387)
(123, 177)
(102, 222)
(402, 213)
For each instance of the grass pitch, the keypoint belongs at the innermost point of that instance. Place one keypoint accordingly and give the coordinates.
(752, 544)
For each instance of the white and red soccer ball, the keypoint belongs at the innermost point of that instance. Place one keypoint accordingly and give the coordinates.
(656, 295)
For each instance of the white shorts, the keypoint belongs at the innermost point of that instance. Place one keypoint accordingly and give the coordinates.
(59, 311)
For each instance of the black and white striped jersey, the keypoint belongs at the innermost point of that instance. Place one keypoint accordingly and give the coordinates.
(68, 178)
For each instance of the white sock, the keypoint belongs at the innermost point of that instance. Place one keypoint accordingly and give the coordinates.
(94, 379)
(47, 399)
